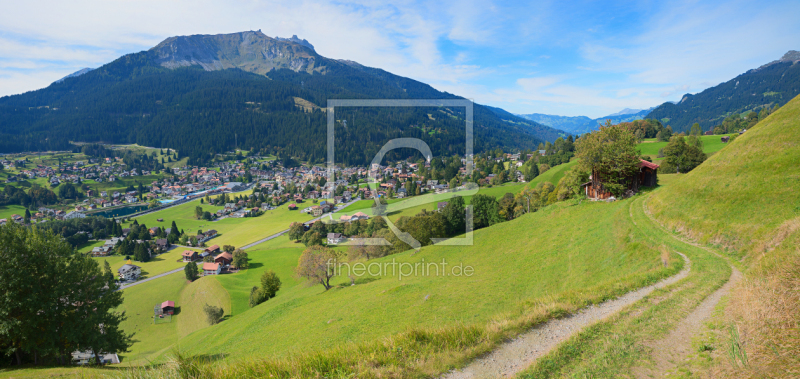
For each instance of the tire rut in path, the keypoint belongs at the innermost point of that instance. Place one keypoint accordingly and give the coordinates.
(518, 354)
(677, 345)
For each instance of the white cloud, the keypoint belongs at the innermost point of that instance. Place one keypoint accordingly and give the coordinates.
(669, 49)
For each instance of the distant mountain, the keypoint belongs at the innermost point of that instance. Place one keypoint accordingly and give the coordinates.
(626, 111)
(75, 74)
(206, 94)
(583, 124)
(774, 83)
(546, 132)
(573, 125)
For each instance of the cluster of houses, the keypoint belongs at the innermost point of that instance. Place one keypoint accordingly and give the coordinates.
(76, 172)
(221, 259)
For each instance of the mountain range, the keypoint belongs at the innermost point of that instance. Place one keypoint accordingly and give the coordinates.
(206, 94)
(583, 124)
(774, 83)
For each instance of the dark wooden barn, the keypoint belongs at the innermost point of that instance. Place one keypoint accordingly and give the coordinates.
(646, 177)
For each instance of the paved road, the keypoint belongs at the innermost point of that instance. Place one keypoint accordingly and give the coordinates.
(284, 231)
(276, 235)
(124, 286)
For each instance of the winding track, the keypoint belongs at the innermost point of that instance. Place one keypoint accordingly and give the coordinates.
(518, 354)
(521, 352)
(677, 345)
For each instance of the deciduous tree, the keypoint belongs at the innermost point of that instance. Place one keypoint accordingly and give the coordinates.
(610, 154)
(318, 264)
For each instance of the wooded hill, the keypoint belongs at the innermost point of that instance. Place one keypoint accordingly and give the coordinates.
(772, 84)
(202, 102)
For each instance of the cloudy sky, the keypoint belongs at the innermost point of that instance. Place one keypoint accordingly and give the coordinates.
(576, 58)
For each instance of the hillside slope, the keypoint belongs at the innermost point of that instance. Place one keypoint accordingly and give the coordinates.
(774, 83)
(745, 199)
(528, 261)
(197, 94)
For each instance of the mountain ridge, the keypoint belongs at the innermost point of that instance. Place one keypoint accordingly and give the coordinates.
(583, 124)
(774, 83)
(192, 93)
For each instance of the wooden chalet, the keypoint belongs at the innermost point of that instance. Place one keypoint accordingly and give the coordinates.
(189, 256)
(646, 177)
(225, 258)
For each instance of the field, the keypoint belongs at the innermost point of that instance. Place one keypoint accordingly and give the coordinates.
(7, 210)
(233, 231)
(162, 263)
(711, 145)
(279, 255)
(149, 151)
(536, 247)
(138, 306)
(194, 296)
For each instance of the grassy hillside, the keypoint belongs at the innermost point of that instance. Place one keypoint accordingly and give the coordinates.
(746, 201)
(740, 197)
(553, 176)
(528, 262)
(194, 296)
(139, 300)
(711, 145)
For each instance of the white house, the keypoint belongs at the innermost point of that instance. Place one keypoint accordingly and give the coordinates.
(211, 268)
(335, 238)
(129, 272)
(74, 214)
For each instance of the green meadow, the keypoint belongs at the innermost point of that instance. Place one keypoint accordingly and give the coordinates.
(524, 261)
(711, 145)
(233, 231)
(159, 264)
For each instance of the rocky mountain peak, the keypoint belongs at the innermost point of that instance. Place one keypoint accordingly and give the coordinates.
(251, 51)
(791, 56)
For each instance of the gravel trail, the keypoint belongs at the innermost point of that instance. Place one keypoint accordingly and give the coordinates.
(677, 345)
(519, 353)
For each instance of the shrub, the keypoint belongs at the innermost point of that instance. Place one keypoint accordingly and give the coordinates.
(213, 314)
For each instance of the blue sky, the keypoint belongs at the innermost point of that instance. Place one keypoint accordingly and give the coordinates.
(565, 58)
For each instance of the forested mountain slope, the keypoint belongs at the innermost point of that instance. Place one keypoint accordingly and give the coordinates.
(774, 83)
(204, 94)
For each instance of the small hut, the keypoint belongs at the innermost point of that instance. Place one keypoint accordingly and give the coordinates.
(168, 307)
(647, 177)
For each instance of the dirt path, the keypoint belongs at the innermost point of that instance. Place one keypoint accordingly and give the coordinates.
(677, 346)
(518, 354)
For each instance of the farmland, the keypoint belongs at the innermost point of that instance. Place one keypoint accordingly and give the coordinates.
(375, 303)
(233, 231)
(711, 145)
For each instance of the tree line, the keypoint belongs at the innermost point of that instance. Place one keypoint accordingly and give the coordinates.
(54, 300)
